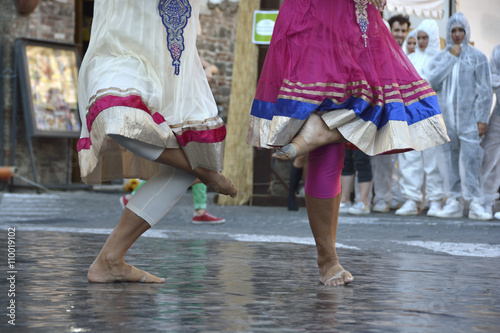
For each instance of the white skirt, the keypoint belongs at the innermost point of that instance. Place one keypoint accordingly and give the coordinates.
(142, 78)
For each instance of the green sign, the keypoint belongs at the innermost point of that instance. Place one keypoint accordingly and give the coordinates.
(263, 25)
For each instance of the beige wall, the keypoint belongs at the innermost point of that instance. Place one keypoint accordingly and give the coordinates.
(484, 20)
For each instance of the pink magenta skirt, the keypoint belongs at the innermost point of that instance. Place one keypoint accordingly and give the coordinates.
(338, 59)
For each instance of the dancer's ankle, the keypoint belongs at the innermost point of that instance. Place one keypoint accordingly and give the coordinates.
(111, 260)
(325, 265)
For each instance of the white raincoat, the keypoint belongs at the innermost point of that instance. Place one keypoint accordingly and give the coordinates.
(490, 170)
(414, 164)
(463, 85)
(421, 58)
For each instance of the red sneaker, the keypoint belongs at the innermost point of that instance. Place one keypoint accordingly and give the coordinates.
(207, 218)
(124, 200)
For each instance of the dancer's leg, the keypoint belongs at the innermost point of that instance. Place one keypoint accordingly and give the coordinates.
(322, 202)
(109, 266)
(176, 157)
(151, 202)
(214, 180)
(313, 134)
(323, 219)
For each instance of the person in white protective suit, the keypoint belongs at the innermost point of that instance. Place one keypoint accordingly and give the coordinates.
(490, 170)
(414, 164)
(410, 43)
(460, 75)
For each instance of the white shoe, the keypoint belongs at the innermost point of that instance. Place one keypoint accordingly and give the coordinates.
(344, 207)
(359, 208)
(497, 215)
(489, 209)
(434, 208)
(408, 208)
(477, 212)
(453, 208)
(381, 207)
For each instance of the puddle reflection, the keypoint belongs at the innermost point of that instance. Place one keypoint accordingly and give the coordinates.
(250, 287)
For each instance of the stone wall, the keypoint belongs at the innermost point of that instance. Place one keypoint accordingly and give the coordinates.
(52, 20)
(216, 45)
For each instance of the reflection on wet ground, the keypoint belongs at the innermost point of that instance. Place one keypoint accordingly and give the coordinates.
(214, 286)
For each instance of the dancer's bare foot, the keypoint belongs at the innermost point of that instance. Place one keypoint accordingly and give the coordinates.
(313, 134)
(216, 181)
(106, 271)
(336, 276)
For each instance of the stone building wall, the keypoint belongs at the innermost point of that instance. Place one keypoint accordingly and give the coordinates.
(216, 44)
(54, 20)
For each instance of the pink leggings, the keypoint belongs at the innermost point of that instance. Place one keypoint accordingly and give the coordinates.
(323, 173)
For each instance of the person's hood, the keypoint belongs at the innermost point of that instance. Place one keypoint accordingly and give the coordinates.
(413, 34)
(430, 27)
(458, 20)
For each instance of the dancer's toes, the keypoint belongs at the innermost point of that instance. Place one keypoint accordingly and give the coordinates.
(285, 153)
(147, 277)
(336, 276)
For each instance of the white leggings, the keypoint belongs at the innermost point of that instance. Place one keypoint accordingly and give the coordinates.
(162, 191)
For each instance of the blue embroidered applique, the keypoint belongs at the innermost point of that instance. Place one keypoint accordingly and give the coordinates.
(174, 15)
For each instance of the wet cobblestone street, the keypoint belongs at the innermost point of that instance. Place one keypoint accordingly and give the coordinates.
(234, 286)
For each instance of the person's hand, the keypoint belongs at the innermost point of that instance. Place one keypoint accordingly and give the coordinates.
(456, 50)
(210, 71)
(482, 128)
(379, 4)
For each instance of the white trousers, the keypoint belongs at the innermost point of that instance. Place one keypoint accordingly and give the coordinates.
(162, 191)
(415, 167)
(385, 184)
(462, 160)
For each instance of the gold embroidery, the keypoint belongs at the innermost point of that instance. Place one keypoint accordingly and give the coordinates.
(299, 99)
(353, 83)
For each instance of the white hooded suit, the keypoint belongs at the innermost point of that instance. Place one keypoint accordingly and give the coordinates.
(463, 85)
(413, 164)
(490, 170)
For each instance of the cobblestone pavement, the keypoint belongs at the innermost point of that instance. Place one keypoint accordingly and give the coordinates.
(256, 273)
